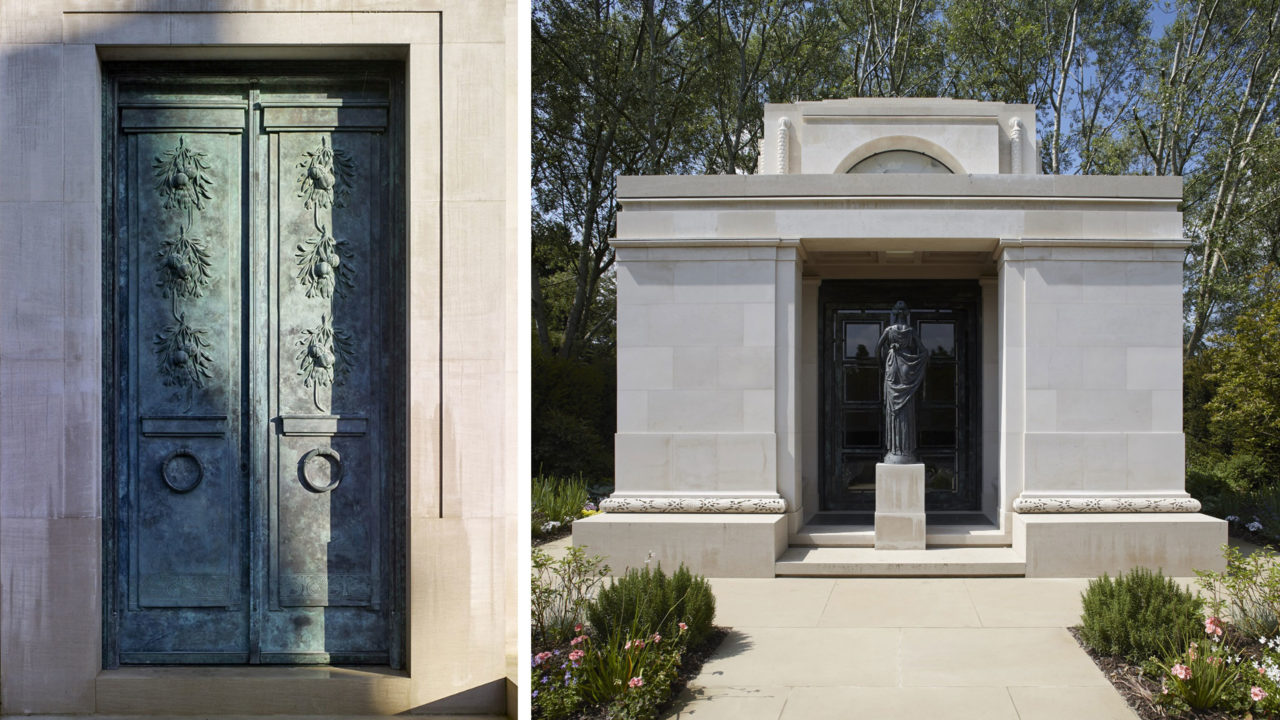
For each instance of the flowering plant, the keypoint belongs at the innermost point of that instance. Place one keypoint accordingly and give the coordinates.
(632, 675)
(1204, 676)
(556, 692)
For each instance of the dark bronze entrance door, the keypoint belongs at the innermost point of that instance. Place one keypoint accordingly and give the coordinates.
(945, 317)
(256, 368)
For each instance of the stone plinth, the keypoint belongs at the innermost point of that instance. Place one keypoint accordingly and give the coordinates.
(711, 544)
(1089, 544)
(900, 507)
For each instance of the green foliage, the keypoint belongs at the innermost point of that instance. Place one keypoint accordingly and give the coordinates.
(557, 500)
(1247, 591)
(645, 601)
(1245, 409)
(573, 412)
(560, 591)
(1138, 615)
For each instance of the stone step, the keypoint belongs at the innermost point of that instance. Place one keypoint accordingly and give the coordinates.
(869, 562)
(865, 536)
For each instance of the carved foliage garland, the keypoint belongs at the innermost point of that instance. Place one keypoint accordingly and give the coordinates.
(326, 177)
(1105, 505)
(694, 505)
(321, 269)
(182, 350)
(182, 177)
(185, 266)
(324, 269)
(324, 356)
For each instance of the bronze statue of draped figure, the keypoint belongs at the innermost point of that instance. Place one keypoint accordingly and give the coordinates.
(904, 362)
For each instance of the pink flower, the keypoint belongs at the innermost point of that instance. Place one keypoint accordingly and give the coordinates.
(635, 682)
(1257, 693)
(683, 627)
(577, 628)
(541, 658)
(657, 637)
(580, 638)
(1215, 661)
(576, 656)
(1181, 671)
(1211, 627)
(1191, 652)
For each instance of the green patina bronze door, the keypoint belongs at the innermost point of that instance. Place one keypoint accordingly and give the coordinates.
(256, 364)
(944, 315)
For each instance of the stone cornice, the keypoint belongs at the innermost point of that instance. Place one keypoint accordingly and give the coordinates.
(999, 189)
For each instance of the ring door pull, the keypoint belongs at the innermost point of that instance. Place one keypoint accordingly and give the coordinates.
(311, 465)
(182, 471)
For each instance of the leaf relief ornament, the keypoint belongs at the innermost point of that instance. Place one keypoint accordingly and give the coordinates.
(322, 266)
(182, 178)
(182, 351)
(324, 357)
(326, 178)
(184, 266)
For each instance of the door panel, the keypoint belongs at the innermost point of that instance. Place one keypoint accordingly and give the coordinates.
(254, 354)
(326, 582)
(945, 315)
(182, 506)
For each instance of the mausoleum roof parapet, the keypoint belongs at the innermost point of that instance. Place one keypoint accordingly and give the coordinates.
(961, 136)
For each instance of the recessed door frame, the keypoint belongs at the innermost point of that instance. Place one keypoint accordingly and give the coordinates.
(115, 312)
(836, 295)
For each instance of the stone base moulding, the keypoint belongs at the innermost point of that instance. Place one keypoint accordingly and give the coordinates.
(694, 505)
(1106, 505)
(725, 545)
(1088, 545)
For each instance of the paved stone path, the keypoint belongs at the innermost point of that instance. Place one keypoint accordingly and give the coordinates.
(982, 648)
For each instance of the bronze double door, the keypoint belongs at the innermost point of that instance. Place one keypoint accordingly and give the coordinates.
(256, 367)
(944, 315)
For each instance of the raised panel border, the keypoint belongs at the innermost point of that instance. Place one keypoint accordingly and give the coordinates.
(184, 426)
(166, 117)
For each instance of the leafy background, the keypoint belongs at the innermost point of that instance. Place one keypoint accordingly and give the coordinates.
(635, 87)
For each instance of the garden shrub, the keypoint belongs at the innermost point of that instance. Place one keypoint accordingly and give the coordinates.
(1247, 592)
(646, 601)
(1245, 473)
(1139, 615)
(560, 592)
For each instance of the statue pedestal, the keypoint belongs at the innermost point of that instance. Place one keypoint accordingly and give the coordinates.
(900, 507)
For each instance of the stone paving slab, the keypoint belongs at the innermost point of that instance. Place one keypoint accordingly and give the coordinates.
(872, 648)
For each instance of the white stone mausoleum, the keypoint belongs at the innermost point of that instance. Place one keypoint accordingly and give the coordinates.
(750, 387)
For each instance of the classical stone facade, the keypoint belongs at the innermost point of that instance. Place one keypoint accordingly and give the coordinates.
(748, 313)
(441, 202)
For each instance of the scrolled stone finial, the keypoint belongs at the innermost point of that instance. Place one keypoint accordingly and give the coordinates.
(1015, 144)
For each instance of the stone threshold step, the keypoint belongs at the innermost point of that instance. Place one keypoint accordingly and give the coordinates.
(865, 536)
(869, 562)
